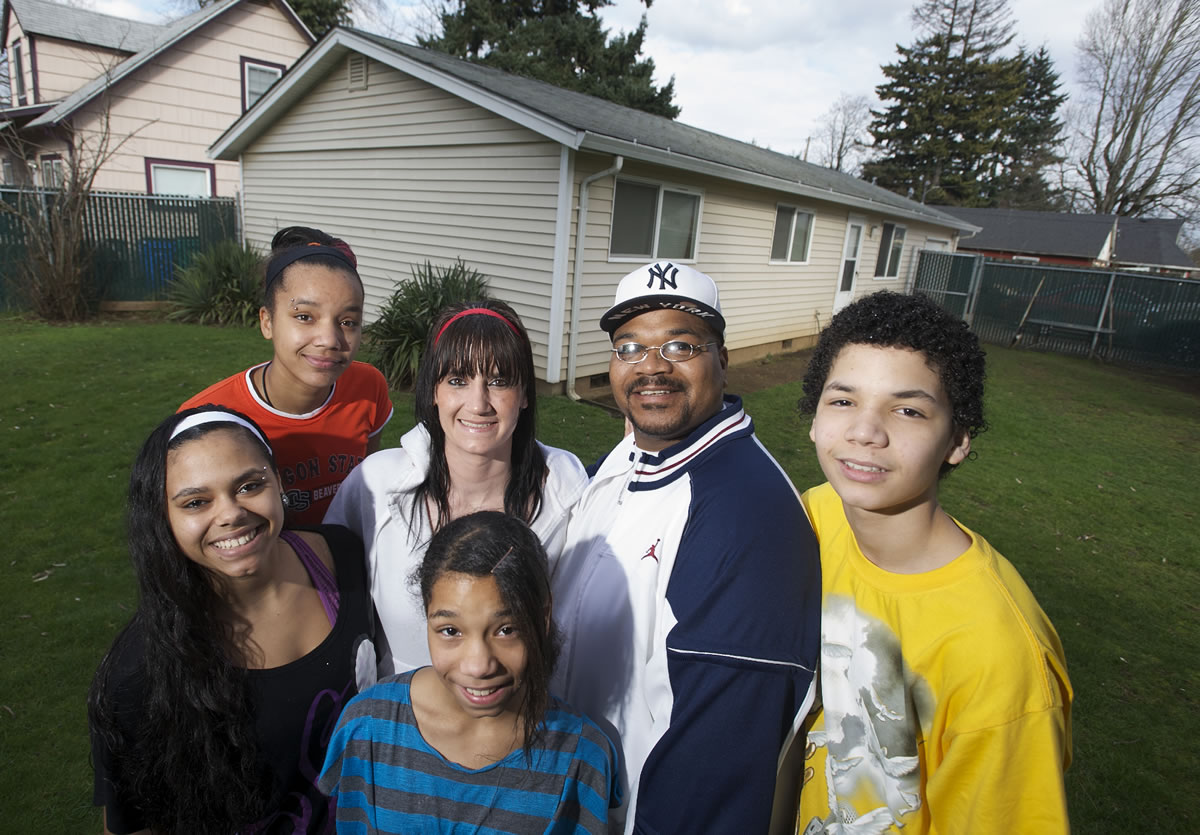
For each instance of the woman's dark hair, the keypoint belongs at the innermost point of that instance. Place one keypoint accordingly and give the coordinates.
(494, 544)
(478, 343)
(190, 757)
(286, 244)
(893, 320)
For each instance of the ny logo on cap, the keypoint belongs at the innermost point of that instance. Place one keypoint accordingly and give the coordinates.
(659, 271)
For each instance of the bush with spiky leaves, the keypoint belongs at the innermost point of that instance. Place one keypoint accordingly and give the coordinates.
(397, 337)
(222, 286)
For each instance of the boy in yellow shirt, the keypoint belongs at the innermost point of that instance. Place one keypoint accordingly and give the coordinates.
(944, 700)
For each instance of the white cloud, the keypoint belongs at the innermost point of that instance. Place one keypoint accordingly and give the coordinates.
(769, 69)
(144, 10)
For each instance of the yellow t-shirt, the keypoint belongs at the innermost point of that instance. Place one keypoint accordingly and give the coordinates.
(944, 699)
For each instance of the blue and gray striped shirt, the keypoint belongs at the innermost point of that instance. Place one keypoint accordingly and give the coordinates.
(384, 777)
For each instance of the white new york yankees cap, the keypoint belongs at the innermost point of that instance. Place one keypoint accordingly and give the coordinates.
(665, 286)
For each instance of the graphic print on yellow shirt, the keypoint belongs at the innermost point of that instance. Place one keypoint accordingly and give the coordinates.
(867, 742)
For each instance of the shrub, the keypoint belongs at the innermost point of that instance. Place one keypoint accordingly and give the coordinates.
(397, 337)
(222, 286)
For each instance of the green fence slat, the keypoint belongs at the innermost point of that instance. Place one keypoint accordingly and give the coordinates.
(1151, 320)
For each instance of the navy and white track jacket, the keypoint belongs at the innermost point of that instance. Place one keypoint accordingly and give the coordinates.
(689, 596)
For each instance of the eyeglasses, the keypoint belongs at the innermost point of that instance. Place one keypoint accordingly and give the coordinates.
(674, 351)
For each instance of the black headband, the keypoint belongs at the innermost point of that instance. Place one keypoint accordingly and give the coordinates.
(289, 256)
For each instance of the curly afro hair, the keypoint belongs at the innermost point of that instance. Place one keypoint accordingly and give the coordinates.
(893, 320)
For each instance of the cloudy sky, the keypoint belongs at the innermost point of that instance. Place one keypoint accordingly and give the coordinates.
(758, 70)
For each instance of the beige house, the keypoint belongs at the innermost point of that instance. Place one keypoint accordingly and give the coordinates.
(161, 94)
(411, 154)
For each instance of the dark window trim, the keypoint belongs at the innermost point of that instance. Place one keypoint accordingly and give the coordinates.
(180, 163)
(33, 71)
(887, 237)
(45, 158)
(260, 63)
(17, 91)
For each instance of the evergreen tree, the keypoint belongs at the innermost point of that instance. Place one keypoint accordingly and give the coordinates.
(1034, 139)
(962, 125)
(558, 41)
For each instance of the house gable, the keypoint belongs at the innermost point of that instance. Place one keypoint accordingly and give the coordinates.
(365, 134)
(170, 38)
(408, 172)
(170, 105)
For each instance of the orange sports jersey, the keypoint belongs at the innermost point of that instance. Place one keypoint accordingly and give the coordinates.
(314, 451)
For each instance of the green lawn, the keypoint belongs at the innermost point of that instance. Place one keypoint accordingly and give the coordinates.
(1083, 482)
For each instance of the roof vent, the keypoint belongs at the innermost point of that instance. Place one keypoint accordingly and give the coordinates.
(356, 75)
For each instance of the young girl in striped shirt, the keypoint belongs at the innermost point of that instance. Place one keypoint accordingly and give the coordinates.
(475, 741)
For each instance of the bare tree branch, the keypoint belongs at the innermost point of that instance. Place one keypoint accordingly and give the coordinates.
(843, 134)
(1136, 145)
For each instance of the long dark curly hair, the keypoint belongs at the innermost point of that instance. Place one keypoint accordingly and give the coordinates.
(494, 544)
(479, 344)
(893, 320)
(189, 757)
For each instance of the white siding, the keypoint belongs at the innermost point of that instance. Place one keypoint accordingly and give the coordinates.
(405, 172)
(763, 302)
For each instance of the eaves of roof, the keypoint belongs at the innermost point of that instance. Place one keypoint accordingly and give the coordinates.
(170, 35)
(578, 121)
(70, 23)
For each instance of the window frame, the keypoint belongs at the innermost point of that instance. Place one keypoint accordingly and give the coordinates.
(887, 242)
(154, 162)
(812, 223)
(17, 92)
(246, 63)
(662, 187)
(57, 168)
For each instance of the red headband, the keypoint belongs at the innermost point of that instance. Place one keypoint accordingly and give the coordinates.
(473, 311)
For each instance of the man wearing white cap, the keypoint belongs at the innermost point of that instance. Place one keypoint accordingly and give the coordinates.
(689, 590)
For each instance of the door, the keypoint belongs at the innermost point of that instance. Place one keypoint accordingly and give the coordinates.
(851, 251)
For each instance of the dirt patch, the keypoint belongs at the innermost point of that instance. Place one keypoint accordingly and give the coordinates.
(771, 370)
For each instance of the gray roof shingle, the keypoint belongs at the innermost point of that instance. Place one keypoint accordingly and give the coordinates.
(1151, 242)
(68, 23)
(602, 117)
(1036, 233)
(164, 37)
(1141, 241)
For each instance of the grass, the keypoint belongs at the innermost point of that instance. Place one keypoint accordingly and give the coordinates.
(1084, 482)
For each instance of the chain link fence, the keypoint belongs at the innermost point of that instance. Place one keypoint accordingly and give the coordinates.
(1137, 318)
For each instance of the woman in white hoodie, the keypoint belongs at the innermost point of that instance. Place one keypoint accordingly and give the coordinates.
(472, 449)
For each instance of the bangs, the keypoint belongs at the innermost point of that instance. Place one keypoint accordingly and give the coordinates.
(482, 345)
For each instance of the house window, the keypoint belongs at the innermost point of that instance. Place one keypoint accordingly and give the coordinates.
(52, 172)
(257, 78)
(653, 221)
(184, 179)
(890, 249)
(793, 234)
(18, 73)
(7, 172)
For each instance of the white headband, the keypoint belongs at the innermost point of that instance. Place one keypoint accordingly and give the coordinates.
(215, 416)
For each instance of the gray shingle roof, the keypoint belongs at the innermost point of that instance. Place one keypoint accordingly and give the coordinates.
(1141, 241)
(163, 38)
(598, 116)
(54, 20)
(1036, 233)
(1151, 242)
